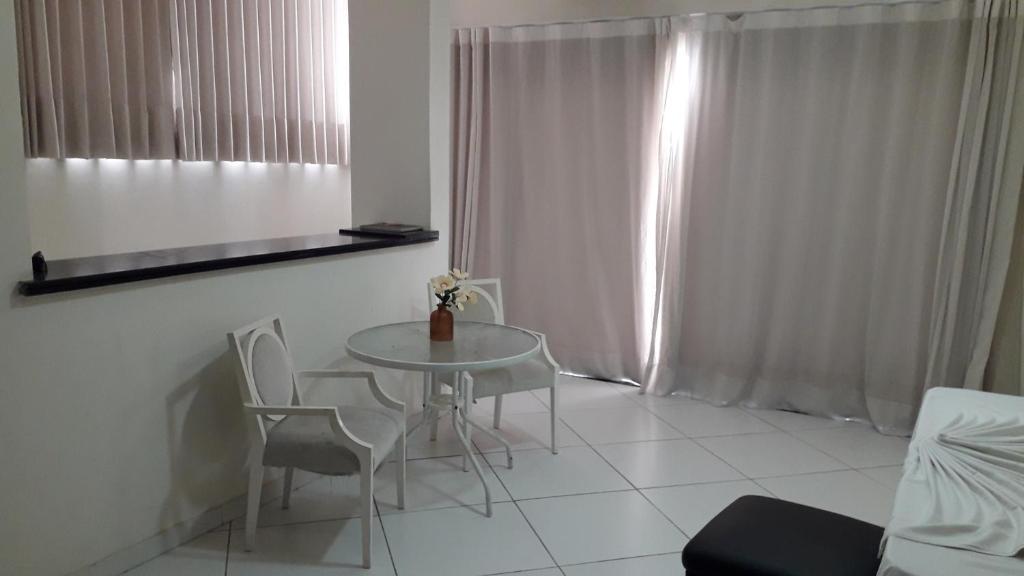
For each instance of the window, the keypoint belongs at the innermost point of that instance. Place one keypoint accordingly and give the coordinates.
(220, 80)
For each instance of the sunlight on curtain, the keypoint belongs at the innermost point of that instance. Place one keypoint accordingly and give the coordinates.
(800, 215)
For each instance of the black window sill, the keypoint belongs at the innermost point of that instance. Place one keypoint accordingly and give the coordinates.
(95, 271)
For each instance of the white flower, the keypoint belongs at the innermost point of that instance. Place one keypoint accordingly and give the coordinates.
(460, 306)
(440, 284)
(459, 274)
(471, 296)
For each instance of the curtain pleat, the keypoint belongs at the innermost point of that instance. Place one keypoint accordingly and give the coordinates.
(221, 80)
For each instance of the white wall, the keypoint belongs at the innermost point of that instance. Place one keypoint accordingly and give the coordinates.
(119, 413)
(469, 13)
(90, 207)
(391, 89)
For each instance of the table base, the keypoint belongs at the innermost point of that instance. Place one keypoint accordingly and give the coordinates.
(458, 404)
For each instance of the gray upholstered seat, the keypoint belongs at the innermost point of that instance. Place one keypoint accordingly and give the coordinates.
(516, 378)
(310, 443)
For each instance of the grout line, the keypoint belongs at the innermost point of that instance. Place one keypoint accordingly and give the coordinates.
(635, 489)
(521, 513)
(387, 543)
(227, 551)
(620, 559)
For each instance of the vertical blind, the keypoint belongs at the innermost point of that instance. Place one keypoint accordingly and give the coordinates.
(219, 80)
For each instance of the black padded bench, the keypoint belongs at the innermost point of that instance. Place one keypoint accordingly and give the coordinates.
(758, 536)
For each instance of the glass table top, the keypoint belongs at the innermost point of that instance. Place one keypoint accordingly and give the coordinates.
(476, 346)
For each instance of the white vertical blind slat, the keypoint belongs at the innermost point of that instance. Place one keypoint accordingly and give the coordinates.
(232, 80)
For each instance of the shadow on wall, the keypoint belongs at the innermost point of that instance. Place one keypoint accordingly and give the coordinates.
(206, 441)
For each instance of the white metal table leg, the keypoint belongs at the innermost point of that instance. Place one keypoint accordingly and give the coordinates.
(466, 445)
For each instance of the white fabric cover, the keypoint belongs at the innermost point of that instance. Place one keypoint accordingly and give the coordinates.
(964, 487)
(903, 557)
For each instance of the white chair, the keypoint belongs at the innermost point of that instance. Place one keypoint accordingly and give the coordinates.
(536, 374)
(331, 440)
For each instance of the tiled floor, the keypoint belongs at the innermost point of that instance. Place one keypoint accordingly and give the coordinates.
(635, 477)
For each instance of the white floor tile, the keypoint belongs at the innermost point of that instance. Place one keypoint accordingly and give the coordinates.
(539, 473)
(525, 432)
(317, 548)
(794, 421)
(542, 572)
(327, 498)
(699, 419)
(858, 447)
(662, 565)
(435, 483)
(666, 463)
(762, 455)
(204, 556)
(580, 502)
(887, 475)
(581, 394)
(847, 492)
(691, 507)
(628, 423)
(463, 542)
(518, 403)
(595, 527)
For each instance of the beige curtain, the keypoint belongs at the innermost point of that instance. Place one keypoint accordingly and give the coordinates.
(551, 128)
(248, 80)
(261, 80)
(96, 78)
(981, 199)
(798, 239)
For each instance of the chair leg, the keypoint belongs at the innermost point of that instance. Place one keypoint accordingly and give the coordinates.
(286, 498)
(400, 471)
(466, 430)
(252, 509)
(554, 420)
(497, 412)
(366, 495)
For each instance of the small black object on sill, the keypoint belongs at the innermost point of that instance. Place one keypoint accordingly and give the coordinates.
(388, 229)
(39, 267)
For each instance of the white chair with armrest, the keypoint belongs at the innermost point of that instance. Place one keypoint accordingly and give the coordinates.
(330, 440)
(536, 374)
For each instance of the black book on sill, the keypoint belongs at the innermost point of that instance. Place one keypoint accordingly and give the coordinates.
(384, 229)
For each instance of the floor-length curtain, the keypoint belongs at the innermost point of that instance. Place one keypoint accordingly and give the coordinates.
(982, 198)
(552, 128)
(798, 242)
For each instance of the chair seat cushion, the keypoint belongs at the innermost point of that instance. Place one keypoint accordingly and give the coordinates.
(308, 442)
(758, 536)
(530, 375)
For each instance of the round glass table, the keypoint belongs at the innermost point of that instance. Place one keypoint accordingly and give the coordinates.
(476, 346)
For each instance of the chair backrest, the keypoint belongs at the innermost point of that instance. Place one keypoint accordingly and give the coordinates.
(489, 307)
(264, 364)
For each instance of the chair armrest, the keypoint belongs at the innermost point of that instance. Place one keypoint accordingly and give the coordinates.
(346, 438)
(378, 393)
(544, 349)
